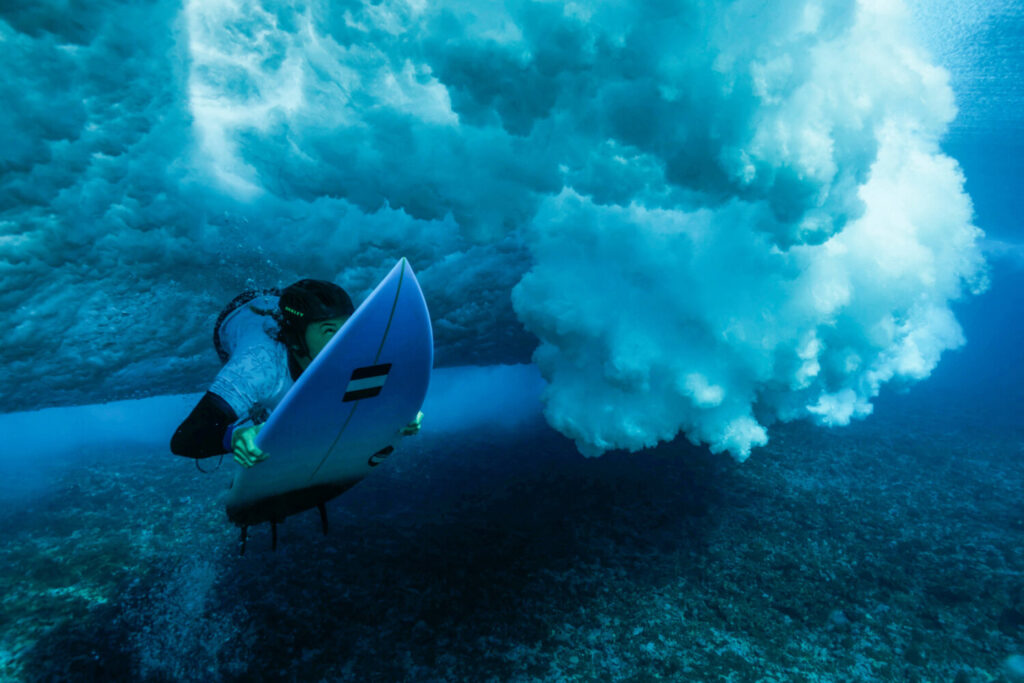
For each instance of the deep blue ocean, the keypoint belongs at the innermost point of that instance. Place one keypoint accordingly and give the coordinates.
(728, 311)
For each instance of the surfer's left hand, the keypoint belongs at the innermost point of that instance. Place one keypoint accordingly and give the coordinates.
(414, 426)
(243, 443)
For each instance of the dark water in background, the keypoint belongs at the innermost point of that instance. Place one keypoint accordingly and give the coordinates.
(888, 550)
(989, 369)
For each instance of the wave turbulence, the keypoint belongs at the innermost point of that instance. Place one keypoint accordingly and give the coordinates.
(712, 216)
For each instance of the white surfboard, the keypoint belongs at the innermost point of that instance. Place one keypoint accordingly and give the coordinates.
(345, 412)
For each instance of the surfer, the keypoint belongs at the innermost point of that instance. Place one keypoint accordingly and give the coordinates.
(265, 340)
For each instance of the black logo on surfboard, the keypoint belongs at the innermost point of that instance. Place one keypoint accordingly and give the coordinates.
(366, 382)
(378, 457)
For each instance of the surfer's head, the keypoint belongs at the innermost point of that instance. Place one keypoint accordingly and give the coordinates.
(310, 312)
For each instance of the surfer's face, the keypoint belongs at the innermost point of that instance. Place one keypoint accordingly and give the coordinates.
(320, 332)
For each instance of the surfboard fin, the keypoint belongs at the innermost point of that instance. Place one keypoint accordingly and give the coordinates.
(323, 515)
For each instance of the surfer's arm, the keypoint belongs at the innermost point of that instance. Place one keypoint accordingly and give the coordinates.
(203, 432)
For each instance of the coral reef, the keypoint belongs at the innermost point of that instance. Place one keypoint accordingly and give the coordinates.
(888, 550)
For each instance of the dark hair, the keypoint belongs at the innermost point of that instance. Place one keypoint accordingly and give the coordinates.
(308, 301)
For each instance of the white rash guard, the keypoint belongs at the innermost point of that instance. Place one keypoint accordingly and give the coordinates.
(255, 377)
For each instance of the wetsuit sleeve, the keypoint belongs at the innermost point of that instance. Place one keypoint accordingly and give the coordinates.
(201, 435)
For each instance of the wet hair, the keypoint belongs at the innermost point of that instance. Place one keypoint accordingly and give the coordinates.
(304, 302)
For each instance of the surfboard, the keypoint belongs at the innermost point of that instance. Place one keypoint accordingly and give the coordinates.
(345, 412)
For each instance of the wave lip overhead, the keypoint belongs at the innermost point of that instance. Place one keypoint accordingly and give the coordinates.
(711, 217)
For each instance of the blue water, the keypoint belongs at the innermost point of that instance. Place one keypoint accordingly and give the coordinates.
(568, 183)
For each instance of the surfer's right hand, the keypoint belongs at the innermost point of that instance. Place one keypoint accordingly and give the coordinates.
(243, 443)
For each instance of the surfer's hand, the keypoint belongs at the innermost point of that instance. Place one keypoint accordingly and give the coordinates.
(243, 443)
(414, 426)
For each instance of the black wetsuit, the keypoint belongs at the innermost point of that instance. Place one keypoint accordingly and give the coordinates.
(204, 431)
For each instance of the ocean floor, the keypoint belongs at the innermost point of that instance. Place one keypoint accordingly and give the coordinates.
(891, 550)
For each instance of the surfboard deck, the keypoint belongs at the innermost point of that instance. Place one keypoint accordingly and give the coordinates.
(346, 411)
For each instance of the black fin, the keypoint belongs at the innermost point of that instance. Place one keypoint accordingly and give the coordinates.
(323, 516)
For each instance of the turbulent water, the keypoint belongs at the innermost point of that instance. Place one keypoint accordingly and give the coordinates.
(763, 259)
